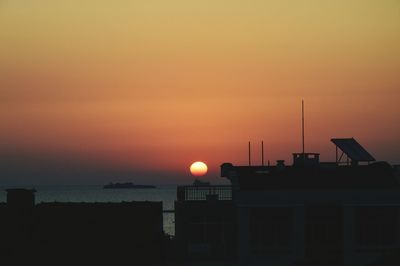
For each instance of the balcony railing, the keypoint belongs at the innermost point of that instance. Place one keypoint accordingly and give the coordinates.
(204, 193)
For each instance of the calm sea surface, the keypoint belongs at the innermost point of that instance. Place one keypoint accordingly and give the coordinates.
(166, 194)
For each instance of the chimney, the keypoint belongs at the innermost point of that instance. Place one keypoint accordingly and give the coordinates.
(280, 164)
(21, 198)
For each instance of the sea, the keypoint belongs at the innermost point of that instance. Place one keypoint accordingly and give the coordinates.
(96, 193)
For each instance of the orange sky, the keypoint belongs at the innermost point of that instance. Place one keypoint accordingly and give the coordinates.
(97, 88)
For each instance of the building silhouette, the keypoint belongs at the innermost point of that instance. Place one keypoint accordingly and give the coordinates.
(126, 233)
(308, 213)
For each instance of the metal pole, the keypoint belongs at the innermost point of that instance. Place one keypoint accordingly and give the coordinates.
(336, 154)
(262, 153)
(249, 155)
(302, 122)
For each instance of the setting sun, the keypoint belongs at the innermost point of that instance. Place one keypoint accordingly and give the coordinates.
(198, 169)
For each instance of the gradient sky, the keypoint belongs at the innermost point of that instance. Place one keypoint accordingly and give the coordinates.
(98, 91)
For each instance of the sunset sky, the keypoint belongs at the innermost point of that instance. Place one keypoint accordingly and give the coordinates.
(99, 91)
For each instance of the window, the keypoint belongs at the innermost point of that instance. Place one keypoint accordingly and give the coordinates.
(270, 229)
(323, 227)
(376, 226)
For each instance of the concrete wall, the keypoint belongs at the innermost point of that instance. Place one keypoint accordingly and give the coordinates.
(298, 200)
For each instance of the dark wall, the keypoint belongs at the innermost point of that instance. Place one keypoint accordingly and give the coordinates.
(82, 234)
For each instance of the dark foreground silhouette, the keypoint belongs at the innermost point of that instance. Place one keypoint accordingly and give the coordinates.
(127, 233)
(311, 213)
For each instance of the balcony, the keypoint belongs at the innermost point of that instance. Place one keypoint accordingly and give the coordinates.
(199, 193)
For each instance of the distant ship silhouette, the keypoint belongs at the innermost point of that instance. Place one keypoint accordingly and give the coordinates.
(127, 185)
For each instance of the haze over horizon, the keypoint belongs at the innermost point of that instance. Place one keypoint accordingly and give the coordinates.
(100, 91)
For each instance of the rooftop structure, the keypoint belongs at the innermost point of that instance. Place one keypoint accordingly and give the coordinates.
(352, 149)
(308, 172)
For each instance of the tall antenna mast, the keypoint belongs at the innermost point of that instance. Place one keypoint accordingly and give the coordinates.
(262, 153)
(249, 155)
(302, 123)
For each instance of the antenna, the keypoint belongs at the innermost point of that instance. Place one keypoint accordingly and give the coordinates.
(262, 153)
(302, 123)
(249, 155)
